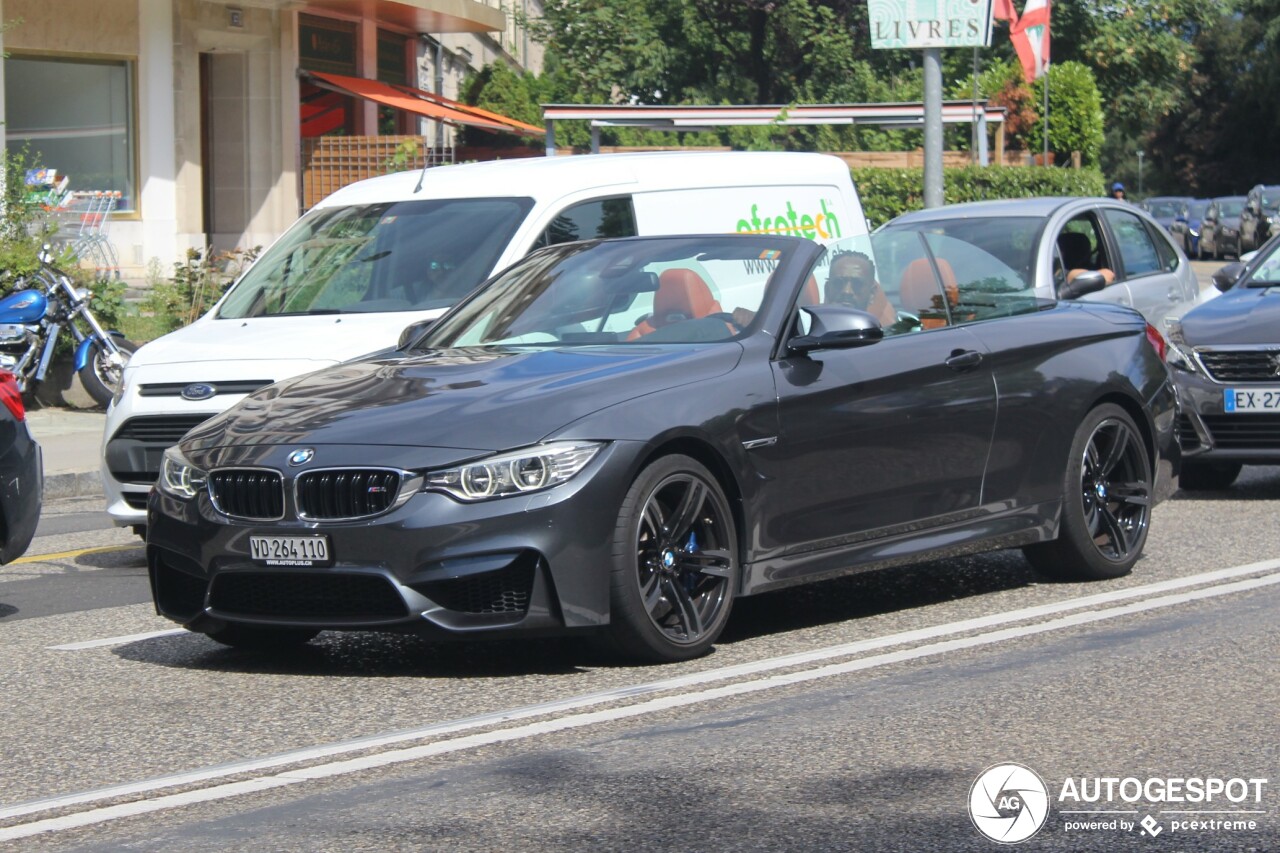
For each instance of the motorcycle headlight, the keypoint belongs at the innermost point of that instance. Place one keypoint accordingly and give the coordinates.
(519, 472)
(178, 477)
(1180, 354)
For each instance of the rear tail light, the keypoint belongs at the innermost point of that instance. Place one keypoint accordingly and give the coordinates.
(11, 396)
(1157, 341)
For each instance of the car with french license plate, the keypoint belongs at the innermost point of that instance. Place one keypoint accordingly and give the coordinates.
(1225, 356)
(618, 438)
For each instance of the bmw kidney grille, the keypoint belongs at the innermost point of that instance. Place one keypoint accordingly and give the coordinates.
(256, 494)
(345, 493)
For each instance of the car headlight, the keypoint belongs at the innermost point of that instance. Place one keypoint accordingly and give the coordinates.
(1180, 355)
(519, 472)
(178, 477)
(1195, 232)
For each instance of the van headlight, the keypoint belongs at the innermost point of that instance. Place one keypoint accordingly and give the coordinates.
(178, 477)
(518, 472)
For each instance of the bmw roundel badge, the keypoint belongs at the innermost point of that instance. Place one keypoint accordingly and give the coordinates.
(198, 391)
(301, 457)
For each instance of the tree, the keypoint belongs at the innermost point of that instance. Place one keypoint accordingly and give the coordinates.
(1075, 113)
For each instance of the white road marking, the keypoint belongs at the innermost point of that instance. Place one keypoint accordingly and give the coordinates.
(118, 641)
(337, 768)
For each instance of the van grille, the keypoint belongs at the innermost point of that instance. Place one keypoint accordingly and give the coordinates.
(166, 430)
(249, 493)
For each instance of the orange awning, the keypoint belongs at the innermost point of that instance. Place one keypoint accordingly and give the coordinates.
(421, 103)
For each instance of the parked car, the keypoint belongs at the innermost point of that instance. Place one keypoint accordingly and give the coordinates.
(21, 473)
(1186, 226)
(1220, 228)
(1225, 356)
(1259, 217)
(620, 437)
(388, 251)
(1166, 209)
(1050, 240)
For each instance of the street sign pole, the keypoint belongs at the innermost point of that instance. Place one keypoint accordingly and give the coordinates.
(933, 195)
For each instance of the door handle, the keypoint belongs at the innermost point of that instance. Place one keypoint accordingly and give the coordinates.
(964, 359)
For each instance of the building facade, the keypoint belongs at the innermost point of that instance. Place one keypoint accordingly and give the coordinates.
(195, 112)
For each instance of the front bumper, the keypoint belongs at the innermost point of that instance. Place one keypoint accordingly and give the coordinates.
(1207, 432)
(537, 563)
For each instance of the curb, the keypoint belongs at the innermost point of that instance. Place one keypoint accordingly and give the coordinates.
(74, 485)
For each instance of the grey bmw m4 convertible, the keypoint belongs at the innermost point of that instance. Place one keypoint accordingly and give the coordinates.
(618, 438)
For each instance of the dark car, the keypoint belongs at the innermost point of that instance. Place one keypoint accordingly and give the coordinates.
(1259, 217)
(1186, 226)
(1220, 229)
(21, 473)
(1051, 242)
(620, 437)
(1166, 209)
(1226, 359)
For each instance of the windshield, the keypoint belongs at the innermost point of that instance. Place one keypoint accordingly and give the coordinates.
(659, 290)
(1230, 206)
(1165, 207)
(1010, 239)
(1267, 272)
(392, 256)
(1270, 199)
(1196, 209)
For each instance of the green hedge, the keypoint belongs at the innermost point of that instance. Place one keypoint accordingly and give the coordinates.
(887, 193)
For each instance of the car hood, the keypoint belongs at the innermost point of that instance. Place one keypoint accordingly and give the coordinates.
(1242, 315)
(323, 339)
(467, 399)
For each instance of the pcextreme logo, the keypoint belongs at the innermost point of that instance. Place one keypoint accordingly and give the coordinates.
(823, 225)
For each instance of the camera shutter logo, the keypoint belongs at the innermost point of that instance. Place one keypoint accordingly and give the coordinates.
(1008, 803)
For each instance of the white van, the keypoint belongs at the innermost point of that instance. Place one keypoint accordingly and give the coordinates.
(383, 253)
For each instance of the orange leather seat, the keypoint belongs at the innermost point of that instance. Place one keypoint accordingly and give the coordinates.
(919, 291)
(682, 295)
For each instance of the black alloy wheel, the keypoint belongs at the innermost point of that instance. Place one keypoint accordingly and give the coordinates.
(675, 563)
(1106, 510)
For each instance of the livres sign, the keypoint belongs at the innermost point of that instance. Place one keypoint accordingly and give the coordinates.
(897, 24)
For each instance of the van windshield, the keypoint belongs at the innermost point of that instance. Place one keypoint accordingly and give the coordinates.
(391, 256)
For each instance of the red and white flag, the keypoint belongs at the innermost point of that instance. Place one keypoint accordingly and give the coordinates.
(1030, 36)
(1002, 10)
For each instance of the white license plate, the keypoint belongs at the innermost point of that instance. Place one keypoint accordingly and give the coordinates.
(1251, 400)
(290, 550)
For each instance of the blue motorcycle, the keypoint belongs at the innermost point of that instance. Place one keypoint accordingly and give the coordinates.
(32, 317)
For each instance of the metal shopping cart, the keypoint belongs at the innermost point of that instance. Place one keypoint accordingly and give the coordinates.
(82, 217)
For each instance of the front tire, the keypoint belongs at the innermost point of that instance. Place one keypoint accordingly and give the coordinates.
(99, 376)
(675, 564)
(1106, 508)
(1208, 476)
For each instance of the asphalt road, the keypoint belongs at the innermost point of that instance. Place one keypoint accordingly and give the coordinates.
(851, 715)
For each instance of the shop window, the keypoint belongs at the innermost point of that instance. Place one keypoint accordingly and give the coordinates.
(76, 116)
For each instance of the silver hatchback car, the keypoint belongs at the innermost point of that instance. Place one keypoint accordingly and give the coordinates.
(1075, 248)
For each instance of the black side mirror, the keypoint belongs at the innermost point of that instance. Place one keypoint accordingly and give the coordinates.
(836, 327)
(1085, 283)
(413, 333)
(1226, 277)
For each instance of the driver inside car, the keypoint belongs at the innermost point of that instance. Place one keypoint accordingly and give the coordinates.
(852, 282)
